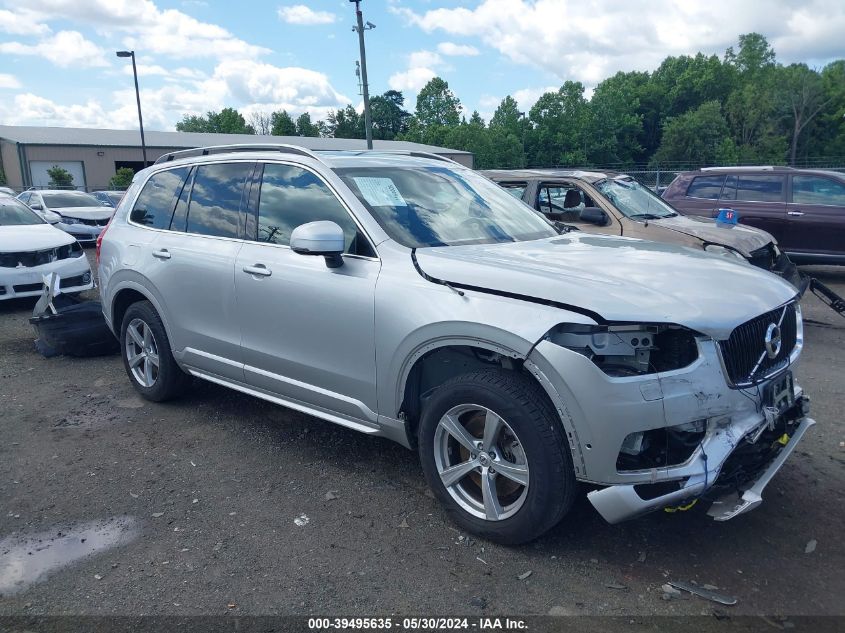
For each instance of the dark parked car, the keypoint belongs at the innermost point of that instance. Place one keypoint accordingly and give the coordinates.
(803, 208)
(612, 203)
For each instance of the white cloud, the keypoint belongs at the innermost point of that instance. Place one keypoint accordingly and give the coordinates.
(463, 50)
(244, 84)
(9, 81)
(65, 49)
(527, 97)
(301, 14)
(22, 22)
(153, 30)
(411, 80)
(422, 66)
(589, 41)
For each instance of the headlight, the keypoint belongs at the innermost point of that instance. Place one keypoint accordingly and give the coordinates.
(629, 350)
(724, 251)
(66, 220)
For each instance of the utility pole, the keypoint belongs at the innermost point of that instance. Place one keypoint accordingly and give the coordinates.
(138, 99)
(368, 121)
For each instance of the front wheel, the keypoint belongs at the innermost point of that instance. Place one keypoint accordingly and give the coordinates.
(495, 455)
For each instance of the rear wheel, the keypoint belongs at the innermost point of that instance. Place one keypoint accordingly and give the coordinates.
(494, 454)
(146, 354)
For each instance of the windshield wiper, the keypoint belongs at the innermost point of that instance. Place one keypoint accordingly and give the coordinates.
(646, 216)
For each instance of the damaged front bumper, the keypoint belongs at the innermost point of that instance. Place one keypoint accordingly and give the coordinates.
(619, 503)
(733, 442)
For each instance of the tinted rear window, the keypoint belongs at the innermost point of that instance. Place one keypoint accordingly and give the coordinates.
(154, 206)
(705, 187)
(754, 188)
(818, 190)
(216, 198)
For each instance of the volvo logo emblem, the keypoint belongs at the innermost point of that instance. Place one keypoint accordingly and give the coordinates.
(773, 340)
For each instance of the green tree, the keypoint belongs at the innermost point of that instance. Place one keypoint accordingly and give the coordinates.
(227, 121)
(558, 127)
(437, 105)
(696, 137)
(828, 133)
(60, 178)
(122, 178)
(389, 117)
(614, 123)
(754, 55)
(282, 124)
(803, 92)
(346, 123)
(304, 126)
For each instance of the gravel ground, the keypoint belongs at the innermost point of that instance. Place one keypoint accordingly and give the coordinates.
(194, 507)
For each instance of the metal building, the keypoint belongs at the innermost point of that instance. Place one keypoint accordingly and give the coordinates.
(93, 155)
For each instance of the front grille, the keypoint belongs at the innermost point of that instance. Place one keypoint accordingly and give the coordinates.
(763, 257)
(87, 222)
(28, 287)
(744, 353)
(28, 259)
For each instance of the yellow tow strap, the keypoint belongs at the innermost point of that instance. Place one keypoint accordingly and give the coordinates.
(681, 508)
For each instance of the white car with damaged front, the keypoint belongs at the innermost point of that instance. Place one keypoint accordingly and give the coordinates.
(75, 212)
(31, 248)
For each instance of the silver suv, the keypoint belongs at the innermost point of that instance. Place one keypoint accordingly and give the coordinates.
(405, 296)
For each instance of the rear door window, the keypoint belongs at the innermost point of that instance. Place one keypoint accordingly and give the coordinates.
(754, 188)
(154, 206)
(216, 198)
(707, 187)
(818, 190)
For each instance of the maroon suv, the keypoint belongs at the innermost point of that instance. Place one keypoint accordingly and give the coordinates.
(803, 208)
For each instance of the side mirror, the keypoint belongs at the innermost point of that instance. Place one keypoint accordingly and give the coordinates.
(593, 215)
(319, 238)
(36, 207)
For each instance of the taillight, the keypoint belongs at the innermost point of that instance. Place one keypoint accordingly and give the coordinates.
(100, 238)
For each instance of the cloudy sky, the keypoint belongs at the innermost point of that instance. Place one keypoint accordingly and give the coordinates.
(57, 62)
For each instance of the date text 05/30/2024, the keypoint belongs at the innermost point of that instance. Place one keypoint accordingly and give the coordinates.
(418, 624)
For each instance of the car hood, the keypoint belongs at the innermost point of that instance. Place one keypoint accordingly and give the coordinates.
(617, 278)
(32, 237)
(85, 213)
(742, 238)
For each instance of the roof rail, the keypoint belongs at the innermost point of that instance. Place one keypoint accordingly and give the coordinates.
(398, 152)
(741, 167)
(242, 147)
(417, 154)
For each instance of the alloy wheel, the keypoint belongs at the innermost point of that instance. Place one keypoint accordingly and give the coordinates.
(481, 462)
(142, 353)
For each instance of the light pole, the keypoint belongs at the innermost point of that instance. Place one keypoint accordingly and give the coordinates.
(368, 121)
(138, 99)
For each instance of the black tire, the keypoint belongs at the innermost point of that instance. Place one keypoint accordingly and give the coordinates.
(525, 408)
(170, 380)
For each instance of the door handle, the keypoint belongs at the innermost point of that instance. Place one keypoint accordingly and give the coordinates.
(259, 269)
(799, 213)
(162, 254)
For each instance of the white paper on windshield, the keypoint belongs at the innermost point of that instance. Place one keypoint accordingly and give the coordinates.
(379, 192)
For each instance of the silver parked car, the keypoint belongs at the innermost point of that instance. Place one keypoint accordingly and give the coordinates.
(405, 296)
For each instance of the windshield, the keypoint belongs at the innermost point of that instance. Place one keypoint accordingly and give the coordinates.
(70, 199)
(442, 206)
(15, 213)
(115, 197)
(634, 200)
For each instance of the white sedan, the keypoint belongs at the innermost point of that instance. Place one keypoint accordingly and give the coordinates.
(76, 212)
(30, 248)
